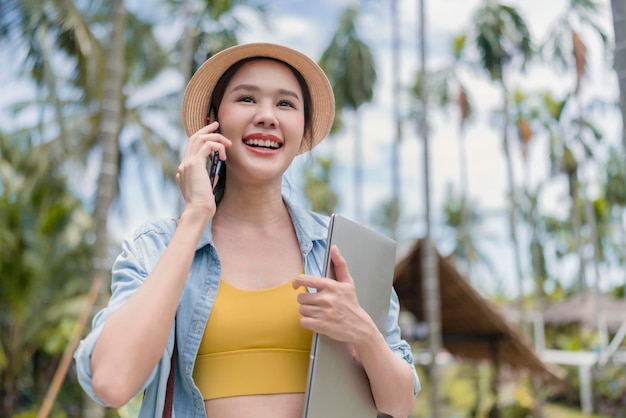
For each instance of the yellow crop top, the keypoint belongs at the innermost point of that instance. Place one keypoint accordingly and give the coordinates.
(253, 344)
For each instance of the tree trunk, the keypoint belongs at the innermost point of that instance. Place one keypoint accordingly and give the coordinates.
(185, 65)
(618, 8)
(619, 24)
(465, 240)
(512, 208)
(430, 277)
(358, 169)
(108, 134)
(395, 155)
(576, 229)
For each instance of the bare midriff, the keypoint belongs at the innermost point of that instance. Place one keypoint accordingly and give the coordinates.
(281, 405)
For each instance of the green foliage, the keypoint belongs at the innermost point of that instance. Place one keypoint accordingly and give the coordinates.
(44, 263)
(501, 34)
(615, 179)
(317, 185)
(70, 106)
(609, 387)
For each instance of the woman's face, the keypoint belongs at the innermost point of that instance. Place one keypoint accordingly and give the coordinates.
(262, 113)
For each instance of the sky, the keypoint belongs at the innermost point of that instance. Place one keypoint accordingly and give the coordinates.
(308, 26)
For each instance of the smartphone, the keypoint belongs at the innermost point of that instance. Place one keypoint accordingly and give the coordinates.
(216, 165)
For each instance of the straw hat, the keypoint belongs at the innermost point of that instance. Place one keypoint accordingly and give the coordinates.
(200, 88)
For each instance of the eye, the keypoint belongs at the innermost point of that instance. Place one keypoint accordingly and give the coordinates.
(286, 103)
(246, 99)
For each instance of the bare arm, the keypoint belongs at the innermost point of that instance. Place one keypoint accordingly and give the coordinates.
(391, 378)
(135, 335)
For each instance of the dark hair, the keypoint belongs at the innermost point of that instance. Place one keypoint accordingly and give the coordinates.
(218, 95)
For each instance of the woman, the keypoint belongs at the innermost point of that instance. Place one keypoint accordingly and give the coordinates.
(228, 280)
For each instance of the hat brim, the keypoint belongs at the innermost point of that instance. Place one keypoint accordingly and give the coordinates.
(200, 87)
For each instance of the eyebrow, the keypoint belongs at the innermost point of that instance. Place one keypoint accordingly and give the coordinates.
(252, 87)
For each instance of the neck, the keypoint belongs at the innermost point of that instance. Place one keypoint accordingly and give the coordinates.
(252, 206)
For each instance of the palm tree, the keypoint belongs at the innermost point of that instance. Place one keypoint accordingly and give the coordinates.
(550, 117)
(448, 90)
(428, 257)
(394, 204)
(615, 192)
(107, 138)
(501, 35)
(456, 212)
(565, 41)
(71, 33)
(619, 24)
(350, 67)
(44, 259)
(524, 115)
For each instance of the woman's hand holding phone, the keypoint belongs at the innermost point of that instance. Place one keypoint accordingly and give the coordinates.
(192, 176)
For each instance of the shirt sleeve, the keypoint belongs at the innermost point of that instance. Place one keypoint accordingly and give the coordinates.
(395, 342)
(128, 274)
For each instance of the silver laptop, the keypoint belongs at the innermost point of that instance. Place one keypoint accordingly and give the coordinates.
(337, 386)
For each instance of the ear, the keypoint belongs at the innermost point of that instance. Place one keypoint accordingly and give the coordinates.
(211, 117)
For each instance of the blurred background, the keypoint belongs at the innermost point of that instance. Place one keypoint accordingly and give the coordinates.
(492, 130)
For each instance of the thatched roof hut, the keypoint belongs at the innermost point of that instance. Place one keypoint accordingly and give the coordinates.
(585, 309)
(472, 327)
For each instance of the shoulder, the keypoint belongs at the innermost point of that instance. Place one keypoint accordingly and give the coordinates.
(153, 233)
(314, 217)
(313, 224)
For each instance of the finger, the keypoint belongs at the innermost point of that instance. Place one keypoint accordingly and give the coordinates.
(342, 273)
(309, 323)
(216, 139)
(310, 281)
(211, 127)
(310, 311)
(207, 132)
(208, 148)
(312, 299)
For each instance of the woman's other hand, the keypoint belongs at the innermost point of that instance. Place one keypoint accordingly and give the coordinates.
(334, 309)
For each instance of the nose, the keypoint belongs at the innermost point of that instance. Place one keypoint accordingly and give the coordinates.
(266, 115)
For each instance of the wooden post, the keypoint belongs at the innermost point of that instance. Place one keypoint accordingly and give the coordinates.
(61, 371)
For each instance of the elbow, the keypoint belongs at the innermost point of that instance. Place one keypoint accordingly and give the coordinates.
(399, 410)
(400, 406)
(110, 390)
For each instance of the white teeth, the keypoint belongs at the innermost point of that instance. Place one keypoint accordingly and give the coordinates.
(263, 143)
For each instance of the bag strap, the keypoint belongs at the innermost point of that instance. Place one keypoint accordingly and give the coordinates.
(169, 390)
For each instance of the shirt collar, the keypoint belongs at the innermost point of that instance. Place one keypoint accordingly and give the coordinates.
(309, 227)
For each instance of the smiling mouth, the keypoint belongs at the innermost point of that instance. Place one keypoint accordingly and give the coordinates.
(262, 143)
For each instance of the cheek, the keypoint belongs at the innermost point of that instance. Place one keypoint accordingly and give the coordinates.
(298, 127)
(228, 119)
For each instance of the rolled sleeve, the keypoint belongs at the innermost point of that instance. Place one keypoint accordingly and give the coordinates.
(128, 274)
(82, 356)
(395, 342)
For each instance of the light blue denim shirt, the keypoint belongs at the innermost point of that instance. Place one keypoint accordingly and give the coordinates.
(140, 254)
